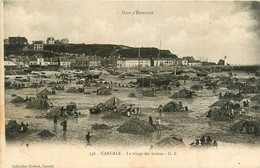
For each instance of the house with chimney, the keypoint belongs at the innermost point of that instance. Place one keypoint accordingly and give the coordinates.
(64, 41)
(50, 40)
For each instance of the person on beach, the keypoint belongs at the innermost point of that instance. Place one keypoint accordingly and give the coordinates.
(159, 123)
(55, 121)
(215, 144)
(151, 120)
(232, 115)
(160, 109)
(64, 124)
(88, 138)
(243, 112)
(202, 140)
(209, 140)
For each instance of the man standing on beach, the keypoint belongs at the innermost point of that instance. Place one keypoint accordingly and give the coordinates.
(88, 138)
(55, 120)
(64, 124)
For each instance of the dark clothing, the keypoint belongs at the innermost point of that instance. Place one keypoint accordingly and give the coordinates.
(197, 142)
(64, 124)
(209, 140)
(151, 120)
(88, 137)
(203, 140)
(55, 119)
(23, 127)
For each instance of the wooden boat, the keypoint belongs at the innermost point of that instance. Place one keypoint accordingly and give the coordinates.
(202, 73)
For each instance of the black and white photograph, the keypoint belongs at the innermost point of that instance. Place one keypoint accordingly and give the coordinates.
(154, 79)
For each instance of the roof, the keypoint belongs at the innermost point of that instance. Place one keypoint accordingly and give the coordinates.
(130, 59)
(195, 61)
(145, 59)
(38, 42)
(50, 38)
(17, 38)
(165, 59)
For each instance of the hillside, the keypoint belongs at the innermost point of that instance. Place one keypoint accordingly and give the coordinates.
(102, 50)
(26, 50)
(145, 53)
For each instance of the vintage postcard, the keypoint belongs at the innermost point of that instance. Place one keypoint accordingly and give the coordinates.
(135, 84)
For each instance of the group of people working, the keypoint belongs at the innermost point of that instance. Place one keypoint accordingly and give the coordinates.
(204, 141)
(64, 125)
(157, 124)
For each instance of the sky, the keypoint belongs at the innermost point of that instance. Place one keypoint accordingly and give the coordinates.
(205, 30)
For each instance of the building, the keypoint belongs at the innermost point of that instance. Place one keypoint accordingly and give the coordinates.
(50, 40)
(190, 61)
(184, 62)
(52, 61)
(17, 40)
(57, 42)
(82, 61)
(33, 61)
(189, 58)
(38, 45)
(145, 62)
(64, 63)
(223, 61)
(165, 62)
(133, 62)
(194, 63)
(94, 61)
(36, 60)
(40, 61)
(64, 41)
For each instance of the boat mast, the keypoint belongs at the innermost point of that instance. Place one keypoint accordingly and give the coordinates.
(139, 58)
(156, 70)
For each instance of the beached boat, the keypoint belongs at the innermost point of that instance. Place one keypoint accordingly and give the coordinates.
(202, 73)
(22, 79)
(78, 72)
